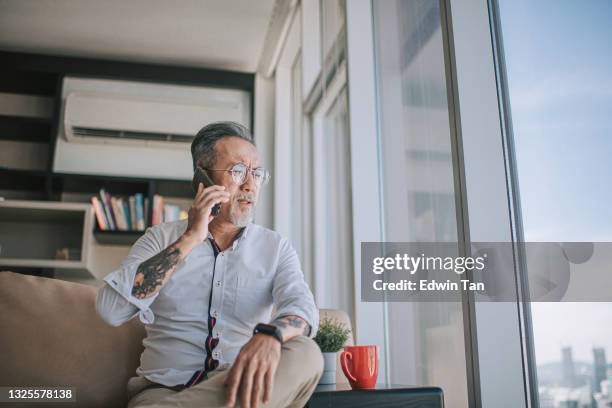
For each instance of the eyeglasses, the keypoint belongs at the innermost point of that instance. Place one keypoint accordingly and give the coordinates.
(239, 172)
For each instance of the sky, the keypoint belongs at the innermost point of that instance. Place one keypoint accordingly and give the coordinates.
(559, 65)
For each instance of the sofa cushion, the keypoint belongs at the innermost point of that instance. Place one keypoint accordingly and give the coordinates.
(52, 336)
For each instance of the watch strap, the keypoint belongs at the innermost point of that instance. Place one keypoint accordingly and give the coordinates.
(270, 330)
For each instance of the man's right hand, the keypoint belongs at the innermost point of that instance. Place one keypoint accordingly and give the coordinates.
(199, 215)
(153, 273)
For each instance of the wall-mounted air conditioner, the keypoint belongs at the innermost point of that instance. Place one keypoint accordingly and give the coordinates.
(138, 129)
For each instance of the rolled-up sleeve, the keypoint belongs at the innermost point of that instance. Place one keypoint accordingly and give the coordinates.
(114, 302)
(291, 293)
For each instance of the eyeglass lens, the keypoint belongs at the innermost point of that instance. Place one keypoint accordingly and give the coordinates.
(239, 174)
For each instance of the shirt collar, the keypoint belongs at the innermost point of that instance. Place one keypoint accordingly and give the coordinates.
(243, 231)
(239, 237)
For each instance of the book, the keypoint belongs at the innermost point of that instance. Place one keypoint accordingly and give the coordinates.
(127, 214)
(160, 209)
(146, 211)
(107, 209)
(133, 220)
(140, 212)
(111, 209)
(131, 213)
(99, 210)
(157, 216)
(104, 212)
(118, 211)
(171, 212)
(122, 214)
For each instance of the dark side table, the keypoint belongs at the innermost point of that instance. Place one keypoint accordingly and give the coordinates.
(385, 396)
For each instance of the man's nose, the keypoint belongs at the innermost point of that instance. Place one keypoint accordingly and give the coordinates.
(249, 182)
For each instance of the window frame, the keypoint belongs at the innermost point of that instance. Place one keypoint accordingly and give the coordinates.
(370, 317)
(283, 126)
(490, 209)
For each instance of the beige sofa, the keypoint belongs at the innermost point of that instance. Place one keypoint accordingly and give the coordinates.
(50, 335)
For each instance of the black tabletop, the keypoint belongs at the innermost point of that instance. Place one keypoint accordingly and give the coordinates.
(384, 395)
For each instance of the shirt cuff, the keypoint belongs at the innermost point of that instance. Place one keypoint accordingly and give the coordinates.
(122, 280)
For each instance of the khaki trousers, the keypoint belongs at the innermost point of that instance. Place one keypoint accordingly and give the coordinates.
(297, 375)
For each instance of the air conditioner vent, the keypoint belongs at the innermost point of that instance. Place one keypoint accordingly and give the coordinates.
(128, 134)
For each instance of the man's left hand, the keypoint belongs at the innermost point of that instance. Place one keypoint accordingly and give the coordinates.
(252, 374)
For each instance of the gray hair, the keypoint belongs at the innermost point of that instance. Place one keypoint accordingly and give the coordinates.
(203, 145)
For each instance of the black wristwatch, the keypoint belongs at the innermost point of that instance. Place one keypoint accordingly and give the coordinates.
(270, 330)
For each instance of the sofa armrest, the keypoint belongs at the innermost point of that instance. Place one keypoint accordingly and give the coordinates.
(52, 336)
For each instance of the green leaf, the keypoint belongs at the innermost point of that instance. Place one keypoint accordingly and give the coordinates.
(331, 336)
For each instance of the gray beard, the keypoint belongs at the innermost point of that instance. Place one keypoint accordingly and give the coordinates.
(243, 219)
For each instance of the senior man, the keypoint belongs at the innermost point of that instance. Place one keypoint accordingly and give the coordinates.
(205, 288)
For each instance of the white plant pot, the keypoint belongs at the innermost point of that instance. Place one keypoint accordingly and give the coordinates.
(329, 368)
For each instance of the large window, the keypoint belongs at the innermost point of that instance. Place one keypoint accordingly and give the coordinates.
(425, 340)
(559, 69)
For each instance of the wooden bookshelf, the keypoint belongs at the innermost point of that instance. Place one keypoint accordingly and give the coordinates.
(32, 231)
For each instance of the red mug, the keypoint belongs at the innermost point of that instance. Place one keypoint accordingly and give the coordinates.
(360, 365)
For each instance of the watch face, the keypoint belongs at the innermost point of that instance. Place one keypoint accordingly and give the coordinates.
(268, 329)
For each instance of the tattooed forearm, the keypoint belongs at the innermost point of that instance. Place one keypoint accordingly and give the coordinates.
(292, 326)
(152, 272)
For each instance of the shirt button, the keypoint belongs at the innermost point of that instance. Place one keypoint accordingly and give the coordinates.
(215, 314)
(216, 354)
(218, 283)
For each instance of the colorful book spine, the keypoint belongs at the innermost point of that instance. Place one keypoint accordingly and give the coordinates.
(169, 213)
(130, 213)
(157, 213)
(118, 211)
(127, 214)
(100, 216)
(107, 209)
(111, 209)
(146, 210)
(160, 209)
(132, 206)
(140, 213)
(172, 212)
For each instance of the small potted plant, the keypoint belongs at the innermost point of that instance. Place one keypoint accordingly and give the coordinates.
(331, 337)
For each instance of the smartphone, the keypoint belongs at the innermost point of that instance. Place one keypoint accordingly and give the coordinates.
(200, 176)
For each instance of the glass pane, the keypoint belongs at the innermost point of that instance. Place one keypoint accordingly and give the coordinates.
(426, 340)
(559, 68)
(338, 262)
(332, 21)
(297, 152)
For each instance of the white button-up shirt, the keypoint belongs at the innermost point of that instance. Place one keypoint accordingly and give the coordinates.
(259, 271)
